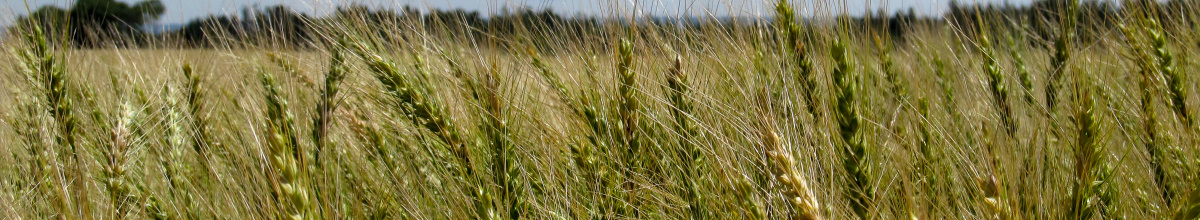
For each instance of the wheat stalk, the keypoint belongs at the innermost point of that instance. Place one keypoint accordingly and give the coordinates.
(1026, 203)
(415, 103)
(1159, 59)
(286, 155)
(289, 66)
(1062, 53)
(328, 101)
(599, 173)
(177, 171)
(411, 93)
(1166, 67)
(1191, 207)
(38, 63)
(943, 82)
(1150, 142)
(930, 156)
(861, 192)
(1022, 70)
(690, 153)
(797, 52)
(202, 140)
(628, 108)
(155, 209)
(994, 190)
(1089, 159)
(119, 189)
(506, 169)
(783, 167)
(899, 91)
(42, 170)
(50, 71)
(996, 80)
(552, 78)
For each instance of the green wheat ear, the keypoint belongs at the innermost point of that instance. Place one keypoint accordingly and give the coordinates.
(413, 96)
(628, 110)
(46, 65)
(1022, 71)
(588, 156)
(899, 90)
(1151, 142)
(1062, 54)
(1166, 67)
(682, 108)
(1089, 158)
(1191, 209)
(497, 136)
(799, 55)
(178, 173)
(284, 146)
(943, 82)
(996, 82)
(328, 101)
(861, 193)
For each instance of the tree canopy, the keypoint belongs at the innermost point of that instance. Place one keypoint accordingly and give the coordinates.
(91, 21)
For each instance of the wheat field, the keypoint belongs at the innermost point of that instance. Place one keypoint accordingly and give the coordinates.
(782, 117)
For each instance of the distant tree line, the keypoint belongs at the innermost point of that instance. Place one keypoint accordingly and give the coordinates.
(280, 25)
(94, 23)
(1038, 22)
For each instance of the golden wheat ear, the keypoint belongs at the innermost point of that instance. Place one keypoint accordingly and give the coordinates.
(796, 189)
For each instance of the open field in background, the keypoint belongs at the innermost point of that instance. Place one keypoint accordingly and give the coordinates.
(778, 121)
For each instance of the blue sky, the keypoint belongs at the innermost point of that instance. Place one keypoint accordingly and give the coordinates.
(179, 11)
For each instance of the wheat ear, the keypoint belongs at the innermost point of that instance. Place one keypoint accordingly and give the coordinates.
(1062, 54)
(1089, 159)
(783, 167)
(412, 95)
(120, 190)
(691, 155)
(286, 155)
(798, 53)
(854, 152)
(1149, 113)
(1166, 67)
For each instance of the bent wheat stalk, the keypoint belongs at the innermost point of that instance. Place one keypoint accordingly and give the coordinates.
(412, 95)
